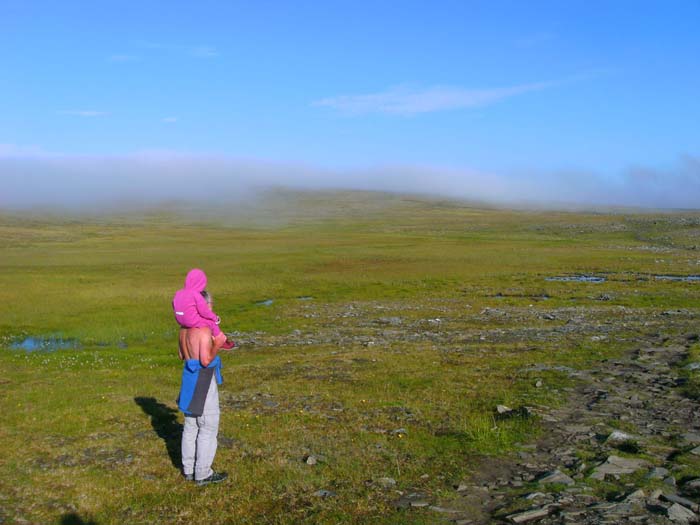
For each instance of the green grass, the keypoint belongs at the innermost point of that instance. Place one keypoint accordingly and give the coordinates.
(87, 432)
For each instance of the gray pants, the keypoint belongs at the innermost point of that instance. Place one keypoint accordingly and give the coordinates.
(199, 437)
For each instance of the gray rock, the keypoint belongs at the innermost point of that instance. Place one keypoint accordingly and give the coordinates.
(692, 438)
(636, 496)
(386, 483)
(615, 466)
(617, 437)
(679, 514)
(443, 510)
(535, 495)
(529, 516)
(503, 410)
(323, 493)
(673, 498)
(692, 366)
(310, 460)
(412, 499)
(692, 488)
(556, 476)
(658, 473)
(655, 495)
(696, 451)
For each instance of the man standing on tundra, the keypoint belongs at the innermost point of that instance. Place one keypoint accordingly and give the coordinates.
(199, 401)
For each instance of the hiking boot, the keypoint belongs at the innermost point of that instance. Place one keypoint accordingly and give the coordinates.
(216, 477)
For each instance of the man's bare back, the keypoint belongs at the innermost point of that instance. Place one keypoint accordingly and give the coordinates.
(196, 343)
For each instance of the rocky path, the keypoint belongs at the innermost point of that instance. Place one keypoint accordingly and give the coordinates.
(616, 453)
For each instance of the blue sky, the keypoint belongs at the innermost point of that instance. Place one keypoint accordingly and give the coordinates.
(521, 91)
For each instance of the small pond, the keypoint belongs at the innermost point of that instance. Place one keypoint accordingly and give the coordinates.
(43, 344)
(577, 278)
(266, 302)
(682, 278)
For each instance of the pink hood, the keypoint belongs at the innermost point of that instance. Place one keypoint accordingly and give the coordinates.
(196, 280)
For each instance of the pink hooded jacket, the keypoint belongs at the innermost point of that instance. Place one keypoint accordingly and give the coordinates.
(190, 308)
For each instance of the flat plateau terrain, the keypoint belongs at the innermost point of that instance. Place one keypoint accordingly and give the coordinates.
(400, 360)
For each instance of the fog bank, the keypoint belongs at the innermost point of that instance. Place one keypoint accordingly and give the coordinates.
(92, 183)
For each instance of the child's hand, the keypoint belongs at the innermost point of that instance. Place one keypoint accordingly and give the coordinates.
(229, 344)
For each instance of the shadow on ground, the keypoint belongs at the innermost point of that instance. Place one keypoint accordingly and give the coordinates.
(74, 519)
(165, 423)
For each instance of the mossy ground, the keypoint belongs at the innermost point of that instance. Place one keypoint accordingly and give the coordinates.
(92, 433)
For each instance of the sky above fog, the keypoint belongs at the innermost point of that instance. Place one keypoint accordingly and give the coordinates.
(577, 102)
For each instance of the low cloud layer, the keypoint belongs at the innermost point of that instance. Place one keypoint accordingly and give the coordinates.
(32, 179)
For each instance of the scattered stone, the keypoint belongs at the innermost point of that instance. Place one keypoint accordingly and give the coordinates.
(673, 498)
(655, 495)
(529, 515)
(503, 410)
(691, 437)
(658, 473)
(412, 499)
(535, 495)
(538, 383)
(310, 460)
(386, 483)
(679, 514)
(616, 466)
(323, 493)
(556, 476)
(443, 510)
(636, 496)
(618, 437)
(696, 451)
(692, 488)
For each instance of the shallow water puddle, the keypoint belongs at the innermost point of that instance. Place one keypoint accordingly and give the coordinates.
(266, 302)
(683, 278)
(577, 278)
(44, 344)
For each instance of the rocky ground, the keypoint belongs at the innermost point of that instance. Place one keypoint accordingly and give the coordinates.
(615, 453)
(618, 451)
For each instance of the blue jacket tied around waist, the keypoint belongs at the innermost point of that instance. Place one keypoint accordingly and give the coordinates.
(195, 385)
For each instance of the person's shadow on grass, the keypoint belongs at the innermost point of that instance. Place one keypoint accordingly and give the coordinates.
(73, 518)
(164, 422)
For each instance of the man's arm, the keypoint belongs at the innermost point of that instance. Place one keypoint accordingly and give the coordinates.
(182, 352)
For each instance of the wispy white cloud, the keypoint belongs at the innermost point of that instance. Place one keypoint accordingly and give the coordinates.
(407, 101)
(169, 120)
(86, 113)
